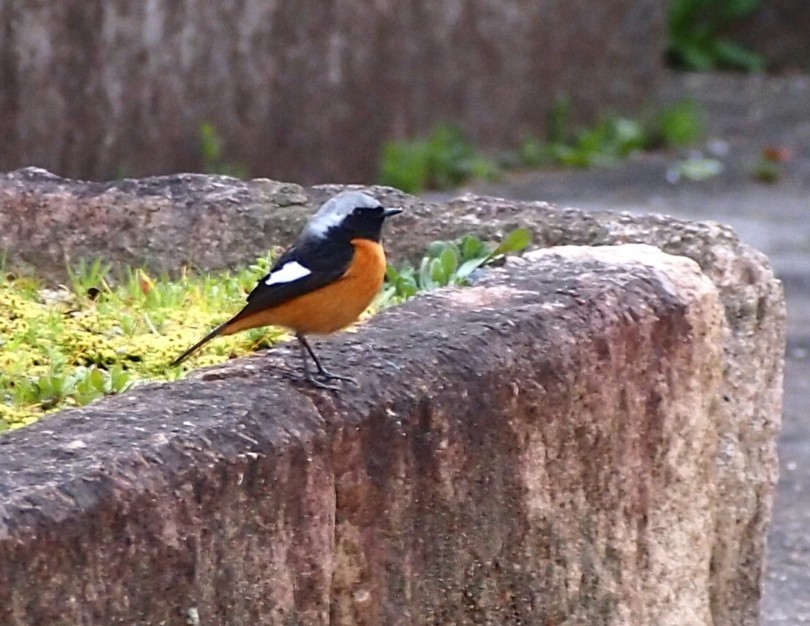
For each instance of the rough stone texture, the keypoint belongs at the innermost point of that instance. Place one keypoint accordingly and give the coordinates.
(304, 90)
(749, 405)
(537, 449)
(161, 223)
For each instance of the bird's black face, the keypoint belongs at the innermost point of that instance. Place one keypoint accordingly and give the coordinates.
(366, 222)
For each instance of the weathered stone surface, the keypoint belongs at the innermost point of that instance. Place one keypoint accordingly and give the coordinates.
(750, 397)
(539, 448)
(304, 90)
(160, 223)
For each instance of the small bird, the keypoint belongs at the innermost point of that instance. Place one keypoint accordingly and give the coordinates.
(323, 282)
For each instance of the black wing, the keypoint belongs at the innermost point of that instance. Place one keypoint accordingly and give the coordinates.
(326, 261)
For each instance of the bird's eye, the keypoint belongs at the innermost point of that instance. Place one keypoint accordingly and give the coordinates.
(366, 210)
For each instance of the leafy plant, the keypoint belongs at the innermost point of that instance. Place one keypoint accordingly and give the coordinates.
(87, 278)
(766, 171)
(677, 125)
(443, 160)
(559, 119)
(211, 147)
(78, 386)
(446, 158)
(770, 166)
(447, 263)
(695, 35)
(609, 140)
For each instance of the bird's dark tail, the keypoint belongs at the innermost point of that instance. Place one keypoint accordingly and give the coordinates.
(217, 331)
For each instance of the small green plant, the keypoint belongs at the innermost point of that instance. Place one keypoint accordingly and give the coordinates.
(766, 171)
(443, 160)
(611, 139)
(87, 277)
(677, 125)
(212, 160)
(608, 141)
(559, 119)
(695, 30)
(770, 166)
(446, 158)
(447, 263)
(80, 385)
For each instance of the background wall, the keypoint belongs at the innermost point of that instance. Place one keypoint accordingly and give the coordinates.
(780, 31)
(302, 90)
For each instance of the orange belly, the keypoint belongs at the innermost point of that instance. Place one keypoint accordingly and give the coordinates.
(332, 307)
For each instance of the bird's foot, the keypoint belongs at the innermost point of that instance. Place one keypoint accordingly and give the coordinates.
(322, 371)
(327, 375)
(318, 384)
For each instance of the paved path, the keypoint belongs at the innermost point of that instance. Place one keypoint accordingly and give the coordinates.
(743, 115)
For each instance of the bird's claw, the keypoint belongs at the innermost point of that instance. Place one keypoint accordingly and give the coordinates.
(330, 376)
(325, 375)
(320, 385)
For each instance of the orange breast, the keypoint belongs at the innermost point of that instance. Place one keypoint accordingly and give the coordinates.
(332, 307)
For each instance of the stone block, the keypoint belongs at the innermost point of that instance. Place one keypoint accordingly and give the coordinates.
(538, 448)
(215, 222)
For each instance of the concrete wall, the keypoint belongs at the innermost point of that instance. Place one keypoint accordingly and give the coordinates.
(302, 90)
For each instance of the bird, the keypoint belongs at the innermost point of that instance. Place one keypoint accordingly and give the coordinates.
(320, 284)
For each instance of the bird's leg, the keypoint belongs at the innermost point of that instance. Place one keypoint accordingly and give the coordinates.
(322, 371)
(307, 374)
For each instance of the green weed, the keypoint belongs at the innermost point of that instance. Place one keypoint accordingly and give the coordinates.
(211, 148)
(612, 138)
(66, 346)
(87, 278)
(766, 171)
(676, 125)
(608, 141)
(695, 30)
(447, 263)
(444, 159)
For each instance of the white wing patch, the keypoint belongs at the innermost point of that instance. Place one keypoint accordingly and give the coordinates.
(287, 273)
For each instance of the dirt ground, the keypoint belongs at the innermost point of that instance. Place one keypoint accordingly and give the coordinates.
(742, 117)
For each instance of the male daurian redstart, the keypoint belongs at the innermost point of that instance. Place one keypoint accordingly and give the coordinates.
(323, 282)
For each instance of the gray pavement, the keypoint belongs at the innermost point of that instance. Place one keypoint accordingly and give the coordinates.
(743, 115)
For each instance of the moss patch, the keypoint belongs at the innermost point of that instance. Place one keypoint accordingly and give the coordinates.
(68, 345)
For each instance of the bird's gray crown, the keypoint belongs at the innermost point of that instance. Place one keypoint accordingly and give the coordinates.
(336, 209)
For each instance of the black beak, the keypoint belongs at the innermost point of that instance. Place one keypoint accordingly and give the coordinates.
(391, 212)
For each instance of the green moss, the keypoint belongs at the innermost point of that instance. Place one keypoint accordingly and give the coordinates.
(68, 346)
